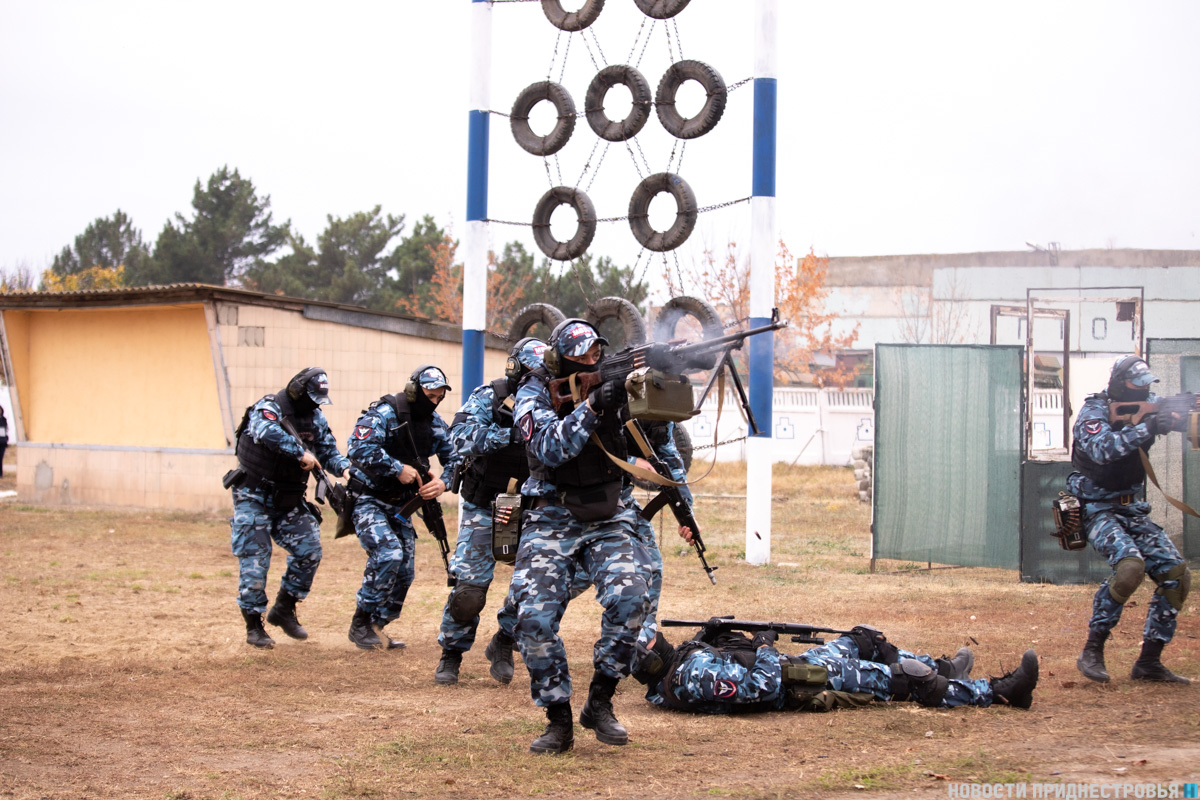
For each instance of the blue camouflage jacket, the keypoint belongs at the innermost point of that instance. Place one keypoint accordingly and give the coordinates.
(713, 683)
(478, 434)
(265, 429)
(548, 439)
(1093, 434)
(367, 446)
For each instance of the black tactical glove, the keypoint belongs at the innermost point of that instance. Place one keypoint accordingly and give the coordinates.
(608, 395)
(1173, 412)
(764, 638)
(517, 436)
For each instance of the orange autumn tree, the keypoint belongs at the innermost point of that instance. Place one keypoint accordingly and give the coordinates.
(800, 294)
(444, 303)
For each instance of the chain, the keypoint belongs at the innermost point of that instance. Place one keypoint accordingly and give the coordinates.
(719, 444)
(737, 85)
(633, 47)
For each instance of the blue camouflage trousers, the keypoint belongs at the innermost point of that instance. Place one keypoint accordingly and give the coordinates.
(506, 617)
(254, 525)
(555, 548)
(848, 674)
(1118, 532)
(473, 565)
(390, 542)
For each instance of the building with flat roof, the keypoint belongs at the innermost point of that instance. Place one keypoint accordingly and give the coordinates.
(130, 397)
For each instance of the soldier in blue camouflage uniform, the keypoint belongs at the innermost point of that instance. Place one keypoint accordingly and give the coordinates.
(661, 436)
(1109, 481)
(724, 672)
(576, 521)
(269, 504)
(485, 437)
(383, 480)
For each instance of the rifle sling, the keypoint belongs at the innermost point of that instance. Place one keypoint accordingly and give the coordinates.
(1179, 504)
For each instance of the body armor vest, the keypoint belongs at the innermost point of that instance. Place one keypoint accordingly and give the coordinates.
(591, 467)
(488, 476)
(264, 464)
(1125, 473)
(396, 444)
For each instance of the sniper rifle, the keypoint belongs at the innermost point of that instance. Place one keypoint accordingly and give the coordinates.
(804, 634)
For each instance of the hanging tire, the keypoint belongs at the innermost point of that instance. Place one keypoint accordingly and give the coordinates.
(714, 103)
(533, 315)
(639, 114)
(683, 443)
(572, 21)
(685, 212)
(625, 312)
(564, 106)
(702, 311)
(661, 9)
(585, 213)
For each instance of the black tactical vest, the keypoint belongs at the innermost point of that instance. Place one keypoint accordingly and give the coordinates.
(591, 467)
(488, 476)
(396, 443)
(264, 464)
(1126, 473)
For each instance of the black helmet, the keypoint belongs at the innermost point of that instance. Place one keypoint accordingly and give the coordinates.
(312, 383)
(1134, 370)
(571, 337)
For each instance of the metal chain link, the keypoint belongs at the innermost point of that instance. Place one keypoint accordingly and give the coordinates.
(719, 444)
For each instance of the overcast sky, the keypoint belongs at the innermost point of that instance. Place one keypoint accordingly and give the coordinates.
(916, 127)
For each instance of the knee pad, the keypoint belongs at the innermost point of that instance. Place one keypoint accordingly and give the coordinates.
(918, 681)
(1127, 577)
(466, 601)
(1181, 576)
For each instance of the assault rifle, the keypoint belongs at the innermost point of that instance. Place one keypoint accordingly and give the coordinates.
(670, 495)
(1181, 407)
(654, 375)
(804, 634)
(431, 510)
(326, 489)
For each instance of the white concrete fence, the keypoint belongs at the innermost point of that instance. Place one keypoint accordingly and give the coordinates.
(825, 426)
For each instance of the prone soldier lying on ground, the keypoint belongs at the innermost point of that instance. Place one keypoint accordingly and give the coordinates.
(723, 671)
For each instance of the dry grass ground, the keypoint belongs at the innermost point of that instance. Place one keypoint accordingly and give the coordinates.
(124, 674)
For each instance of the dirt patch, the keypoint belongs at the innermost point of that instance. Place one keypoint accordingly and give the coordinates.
(124, 674)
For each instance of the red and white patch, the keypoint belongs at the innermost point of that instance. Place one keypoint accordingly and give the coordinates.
(526, 427)
(362, 432)
(725, 690)
(271, 415)
(1093, 426)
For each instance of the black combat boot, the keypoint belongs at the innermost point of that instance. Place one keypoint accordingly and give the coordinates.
(1016, 688)
(598, 714)
(390, 643)
(447, 668)
(500, 652)
(559, 736)
(959, 667)
(255, 633)
(361, 632)
(1148, 667)
(283, 615)
(1091, 660)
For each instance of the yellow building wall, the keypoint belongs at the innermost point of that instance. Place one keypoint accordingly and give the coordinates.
(140, 376)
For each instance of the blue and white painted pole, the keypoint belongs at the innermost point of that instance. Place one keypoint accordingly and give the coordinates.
(759, 455)
(474, 317)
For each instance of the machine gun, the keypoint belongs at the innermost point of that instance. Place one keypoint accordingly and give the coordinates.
(670, 495)
(327, 490)
(1183, 408)
(653, 375)
(804, 634)
(431, 510)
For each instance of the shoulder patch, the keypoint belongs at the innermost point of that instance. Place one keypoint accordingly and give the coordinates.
(527, 427)
(362, 431)
(269, 414)
(725, 689)
(1092, 426)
